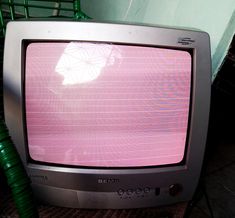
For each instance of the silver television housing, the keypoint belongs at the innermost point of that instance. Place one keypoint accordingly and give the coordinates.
(81, 187)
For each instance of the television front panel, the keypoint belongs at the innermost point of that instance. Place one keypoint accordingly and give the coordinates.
(107, 115)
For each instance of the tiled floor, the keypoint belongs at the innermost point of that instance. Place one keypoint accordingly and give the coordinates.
(219, 182)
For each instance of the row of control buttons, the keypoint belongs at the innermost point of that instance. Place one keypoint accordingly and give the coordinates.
(134, 191)
(174, 190)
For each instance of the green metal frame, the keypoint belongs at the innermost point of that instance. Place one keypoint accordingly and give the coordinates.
(27, 5)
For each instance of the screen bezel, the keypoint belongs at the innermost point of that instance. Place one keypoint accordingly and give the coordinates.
(196, 41)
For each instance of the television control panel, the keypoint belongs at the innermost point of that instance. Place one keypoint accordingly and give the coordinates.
(142, 192)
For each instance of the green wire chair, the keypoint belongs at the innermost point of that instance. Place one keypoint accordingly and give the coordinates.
(27, 9)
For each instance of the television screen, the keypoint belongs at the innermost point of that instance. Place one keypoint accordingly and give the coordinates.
(111, 105)
(107, 115)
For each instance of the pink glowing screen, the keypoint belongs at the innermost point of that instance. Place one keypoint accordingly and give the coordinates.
(107, 105)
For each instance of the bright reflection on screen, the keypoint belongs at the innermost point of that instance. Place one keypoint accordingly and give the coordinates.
(83, 62)
(106, 105)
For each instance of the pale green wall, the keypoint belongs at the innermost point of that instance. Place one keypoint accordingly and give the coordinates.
(216, 17)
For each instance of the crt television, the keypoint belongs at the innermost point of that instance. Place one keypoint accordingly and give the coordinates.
(107, 115)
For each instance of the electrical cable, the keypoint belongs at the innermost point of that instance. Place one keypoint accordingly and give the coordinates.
(200, 192)
(208, 202)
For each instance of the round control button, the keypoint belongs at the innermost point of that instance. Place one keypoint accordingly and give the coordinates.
(175, 189)
(138, 191)
(120, 192)
(146, 190)
(129, 191)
